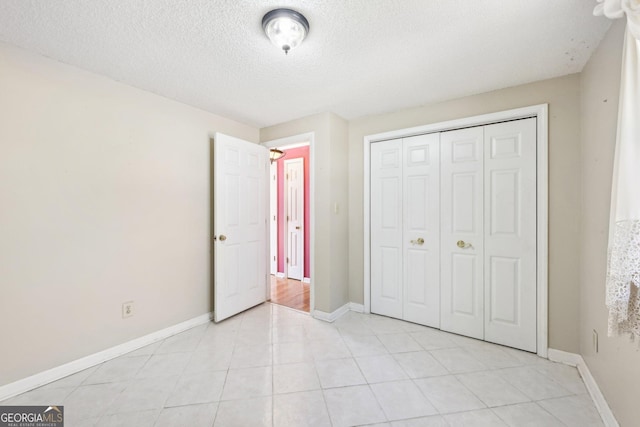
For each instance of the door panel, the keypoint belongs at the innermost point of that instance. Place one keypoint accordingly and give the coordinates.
(389, 271)
(421, 214)
(505, 288)
(417, 272)
(294, 173)
(386, 228)
(389, 190)
(464, 282)
(504, 203)
(464, 201)
(230, 270)
(462, 291)
(240, 215)
(510, 241)
(252, 254)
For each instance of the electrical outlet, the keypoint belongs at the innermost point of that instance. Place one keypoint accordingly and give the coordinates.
(595, 341)
(127, 309)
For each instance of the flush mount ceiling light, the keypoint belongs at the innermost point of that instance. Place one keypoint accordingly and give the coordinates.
(285, 28)
(275, 154)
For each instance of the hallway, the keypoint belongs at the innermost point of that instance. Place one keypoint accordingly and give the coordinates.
(290, 293)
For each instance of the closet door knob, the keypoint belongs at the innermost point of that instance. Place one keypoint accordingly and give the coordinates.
(420, 241)
(462, 244)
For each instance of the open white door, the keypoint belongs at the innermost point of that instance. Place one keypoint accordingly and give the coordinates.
(273, 217)
(240, 174)
(294, 173)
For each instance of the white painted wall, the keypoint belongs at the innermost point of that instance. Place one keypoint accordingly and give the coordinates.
(104, 198)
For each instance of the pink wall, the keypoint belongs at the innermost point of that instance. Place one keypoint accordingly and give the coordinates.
(294, 153)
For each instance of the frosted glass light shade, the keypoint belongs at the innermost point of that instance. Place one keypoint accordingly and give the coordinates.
(275, 154)
(285, 28)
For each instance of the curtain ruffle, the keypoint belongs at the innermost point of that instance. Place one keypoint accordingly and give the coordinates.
(623, 280)
(615, 9)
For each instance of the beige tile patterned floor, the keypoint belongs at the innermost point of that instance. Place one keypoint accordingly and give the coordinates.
(272, 366)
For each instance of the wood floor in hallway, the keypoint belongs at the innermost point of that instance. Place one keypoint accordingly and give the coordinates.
(290, 293)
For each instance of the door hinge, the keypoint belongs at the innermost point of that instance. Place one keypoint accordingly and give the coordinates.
(287, 260)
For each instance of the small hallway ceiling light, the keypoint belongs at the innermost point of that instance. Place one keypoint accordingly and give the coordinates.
(275, 154)
(285, 28)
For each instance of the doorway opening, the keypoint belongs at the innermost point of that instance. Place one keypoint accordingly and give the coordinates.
(290, 226)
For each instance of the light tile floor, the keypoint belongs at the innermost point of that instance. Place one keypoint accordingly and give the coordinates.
(275, 366)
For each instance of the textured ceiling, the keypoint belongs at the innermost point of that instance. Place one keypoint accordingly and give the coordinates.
(361, 57)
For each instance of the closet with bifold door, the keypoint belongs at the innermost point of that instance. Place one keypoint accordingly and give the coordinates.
(453, 231)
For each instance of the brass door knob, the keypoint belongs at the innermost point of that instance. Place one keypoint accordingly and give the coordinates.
(462, 244)
(420, 241)
(223, 237)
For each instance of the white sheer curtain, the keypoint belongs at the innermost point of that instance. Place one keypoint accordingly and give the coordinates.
(623, 269)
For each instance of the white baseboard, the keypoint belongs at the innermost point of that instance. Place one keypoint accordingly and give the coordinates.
(306, 279)
(333, 316)
(599, 401)
(279, 275)
(598, 398)
(54, 374)
(560, 356)
(358, 308)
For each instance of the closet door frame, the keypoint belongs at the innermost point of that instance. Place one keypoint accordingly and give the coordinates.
(542, 177)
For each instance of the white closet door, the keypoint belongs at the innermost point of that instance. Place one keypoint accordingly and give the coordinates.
(462, 258)
(386, 228)
(510, 233)
(421, 231)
